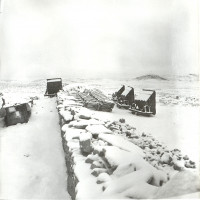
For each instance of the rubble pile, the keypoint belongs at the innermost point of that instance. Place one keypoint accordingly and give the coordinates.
(174, 99)
(112, 158)
(155, 152)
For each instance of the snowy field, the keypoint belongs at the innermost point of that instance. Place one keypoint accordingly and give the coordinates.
(32, 158)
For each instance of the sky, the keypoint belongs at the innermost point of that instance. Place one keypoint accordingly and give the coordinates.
(98, 38)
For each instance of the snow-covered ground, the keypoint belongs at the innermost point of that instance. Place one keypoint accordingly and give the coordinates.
(32, 157)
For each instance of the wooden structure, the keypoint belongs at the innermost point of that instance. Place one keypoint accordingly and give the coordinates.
(126, 98)
(144, 103)
(117, 94)
(96, 100)
(53, 86)
(15, 114)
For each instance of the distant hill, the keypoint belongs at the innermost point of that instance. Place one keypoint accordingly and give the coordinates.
(151, 76)
(189, 77)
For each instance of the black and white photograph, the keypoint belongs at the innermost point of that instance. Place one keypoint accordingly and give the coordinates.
(99, 99)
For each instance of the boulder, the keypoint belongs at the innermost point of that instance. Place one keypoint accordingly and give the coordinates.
(66, 115)
(186, 157)
(97, 129)
(85, 143)
(85, 114)
(166, 158)
(178, 164)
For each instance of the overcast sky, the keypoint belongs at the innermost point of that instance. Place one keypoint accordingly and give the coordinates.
(100, 38)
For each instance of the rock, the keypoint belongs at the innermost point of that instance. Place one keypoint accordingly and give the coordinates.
(143, 134)
(117, 132)
(102, 178)
(108, 124)
(84, 116)
(189, 165)
(154, 163)
(97, 129)
(2, 112)
(135, 136)
(159, 150)
(123, 129)
(82, 124)
(97, 171)
(102, 143)
(113, 127)
(98, 150)
(192, 163)
(128, 133)
(122, 120)
(151, 146)
(91, 158)
(85, 143)
(166, 158)
(186, 157)
(97, 164)
(73, 112)
(66, 115)
(178, 165)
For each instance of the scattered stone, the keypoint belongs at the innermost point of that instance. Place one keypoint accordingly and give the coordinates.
(143, 134)
(191, 162)
(135, 136)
